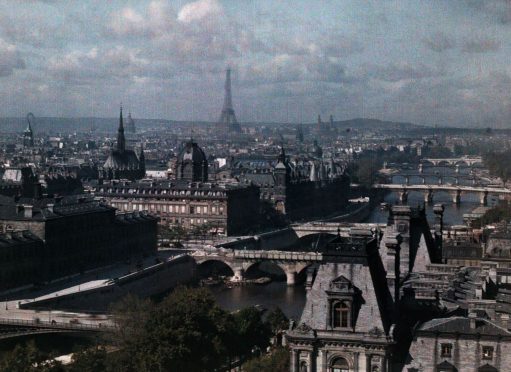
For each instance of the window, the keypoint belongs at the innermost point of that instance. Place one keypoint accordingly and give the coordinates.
(446, 350)
(341, 312)
(339, 365)
(192, 210)
(487, 352)
(303, 367)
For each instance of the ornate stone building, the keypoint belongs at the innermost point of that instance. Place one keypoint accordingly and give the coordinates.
(189, 200)
(191, 164)
(383, 301)
(66, 236)
(298, 188)
(123, 163)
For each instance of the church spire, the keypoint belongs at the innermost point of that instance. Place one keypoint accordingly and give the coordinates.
(121, 140)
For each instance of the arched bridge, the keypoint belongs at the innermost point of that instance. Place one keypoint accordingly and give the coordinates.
(455, 191)
(239, 261)
(469, 161)
(439, 178)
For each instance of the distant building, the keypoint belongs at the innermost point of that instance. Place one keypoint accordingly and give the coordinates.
(28, 134)
(191, 164)
(130, 125)
(298, 188)
(228, 122)
(67, 236)
(189, 200)
(123, 162)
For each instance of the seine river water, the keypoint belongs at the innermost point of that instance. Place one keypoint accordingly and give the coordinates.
(292, 299)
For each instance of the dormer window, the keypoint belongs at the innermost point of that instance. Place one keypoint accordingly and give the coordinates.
(341, 314)
(446, 350)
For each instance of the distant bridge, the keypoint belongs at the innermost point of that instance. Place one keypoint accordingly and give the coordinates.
(239, 261)
(441, 179)
(11, 328)
(455, 191)
(470, 161)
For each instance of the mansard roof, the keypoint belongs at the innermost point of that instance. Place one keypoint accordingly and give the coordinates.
(461, 325)
(122, 160)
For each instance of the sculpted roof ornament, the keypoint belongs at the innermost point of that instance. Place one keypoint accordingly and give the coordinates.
(304, 329)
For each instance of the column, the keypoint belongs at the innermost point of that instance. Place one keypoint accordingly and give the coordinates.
(291, 277)
(456, 196)
(403, 196)
(294, 361)
(483, 198)
(322, 361)
(238, 275)
(428, 196)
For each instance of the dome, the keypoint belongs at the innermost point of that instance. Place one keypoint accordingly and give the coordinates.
(192, 152)
(192, 163)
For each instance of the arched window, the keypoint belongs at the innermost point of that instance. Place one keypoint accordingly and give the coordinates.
(339, 365)
(340, 316)
(303, 366)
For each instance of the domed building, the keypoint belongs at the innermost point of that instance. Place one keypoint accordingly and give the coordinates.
(192, 163)
(123, 163)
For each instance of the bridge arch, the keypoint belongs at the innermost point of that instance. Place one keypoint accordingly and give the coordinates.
(214, 265)
(268, 266)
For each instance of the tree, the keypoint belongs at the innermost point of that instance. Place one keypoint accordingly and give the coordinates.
(27, 358)
(277, 320)
(90, 360)
(251, 331)
(187, 331)
(276, 361)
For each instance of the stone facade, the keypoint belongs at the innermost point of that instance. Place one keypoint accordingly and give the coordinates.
(460, 344)
(77, 234)
(228, 209)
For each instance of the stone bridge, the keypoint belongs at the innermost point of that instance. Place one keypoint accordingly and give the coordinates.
(454, 191)
(469, 161)
(441, 179)
(239, 261)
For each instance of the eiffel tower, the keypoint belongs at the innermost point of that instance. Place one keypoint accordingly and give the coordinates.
(228, 122)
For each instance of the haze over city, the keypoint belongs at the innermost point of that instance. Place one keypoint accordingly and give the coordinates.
(439, 63)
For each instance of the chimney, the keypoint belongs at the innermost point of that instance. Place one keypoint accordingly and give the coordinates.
(393, 244)
(28, 210)
(401, 215)
(472, 317)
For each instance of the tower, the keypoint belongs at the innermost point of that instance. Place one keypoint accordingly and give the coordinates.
(28, 134)
(228, 120)
(130, 125)
(121, 140)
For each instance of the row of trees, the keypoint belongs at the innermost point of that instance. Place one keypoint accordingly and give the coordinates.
(499, 164)
(186, 331)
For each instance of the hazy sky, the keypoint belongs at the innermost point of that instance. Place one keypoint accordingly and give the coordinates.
(443, 62)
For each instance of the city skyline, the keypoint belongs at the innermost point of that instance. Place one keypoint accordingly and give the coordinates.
(441, 63)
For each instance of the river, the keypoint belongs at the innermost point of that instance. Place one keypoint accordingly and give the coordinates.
(292, 299)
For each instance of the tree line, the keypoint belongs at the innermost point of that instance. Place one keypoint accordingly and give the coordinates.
(186, 331)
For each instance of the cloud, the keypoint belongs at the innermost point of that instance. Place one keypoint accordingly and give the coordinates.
(89, 67)
(439, 42)
(481, 45)
(498, 11)
(198, 10)
(10, 59)
(395, 72)
(158, 20)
